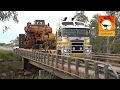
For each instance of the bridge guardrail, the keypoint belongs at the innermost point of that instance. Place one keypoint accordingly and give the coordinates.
(113, 60)
(99, 69)
(105, 54)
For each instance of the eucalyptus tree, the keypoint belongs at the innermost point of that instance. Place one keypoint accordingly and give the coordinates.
(6, 16)
(115, 41)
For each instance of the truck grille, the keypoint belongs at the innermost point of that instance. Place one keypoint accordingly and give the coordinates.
(77, 51)
(75, 44)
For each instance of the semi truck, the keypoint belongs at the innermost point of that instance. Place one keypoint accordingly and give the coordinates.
(72, 38)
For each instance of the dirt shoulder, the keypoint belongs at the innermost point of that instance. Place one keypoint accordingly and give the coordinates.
(8, 49)
(13, 70)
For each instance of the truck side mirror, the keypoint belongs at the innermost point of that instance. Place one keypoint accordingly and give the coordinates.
(48, 24)
(59, 33)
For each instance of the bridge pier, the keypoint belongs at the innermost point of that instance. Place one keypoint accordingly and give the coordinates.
(24, 63)
(41, 72)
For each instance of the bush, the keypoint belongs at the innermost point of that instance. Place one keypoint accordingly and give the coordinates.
(8, 55)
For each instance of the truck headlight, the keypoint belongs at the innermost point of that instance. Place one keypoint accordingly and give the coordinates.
(66, 50)
(80, 48)
(73, 48)
(87, 50)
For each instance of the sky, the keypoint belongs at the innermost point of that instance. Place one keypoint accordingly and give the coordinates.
(51, 17)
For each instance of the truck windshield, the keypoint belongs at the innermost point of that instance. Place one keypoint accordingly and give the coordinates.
(79, 23)
(67, 23)
(41, 22)
(75, 32)
(16, 45)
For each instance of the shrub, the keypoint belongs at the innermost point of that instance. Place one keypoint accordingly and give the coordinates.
(9, 55)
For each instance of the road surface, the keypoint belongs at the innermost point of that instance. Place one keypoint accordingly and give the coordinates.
(8, 49)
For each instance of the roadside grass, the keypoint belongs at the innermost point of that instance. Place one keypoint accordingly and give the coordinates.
(9, 56)
(47, 75)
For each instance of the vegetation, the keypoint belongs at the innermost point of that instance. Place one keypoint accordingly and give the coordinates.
(100, 43)
(16, 40)
(7, 15)
(8, 55)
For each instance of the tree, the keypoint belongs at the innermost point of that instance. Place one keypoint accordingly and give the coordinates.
(99, 43)
(81, 15)
(115, 41)
(7, 15)
(17, 38)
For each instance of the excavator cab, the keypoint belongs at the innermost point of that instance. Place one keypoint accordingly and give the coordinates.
(40, 22)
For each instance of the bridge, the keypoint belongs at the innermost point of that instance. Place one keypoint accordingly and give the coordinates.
(65, 68)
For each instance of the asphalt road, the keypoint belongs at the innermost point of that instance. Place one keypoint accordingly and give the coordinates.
(8, 49)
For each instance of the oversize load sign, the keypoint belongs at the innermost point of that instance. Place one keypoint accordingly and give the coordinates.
(106, 25)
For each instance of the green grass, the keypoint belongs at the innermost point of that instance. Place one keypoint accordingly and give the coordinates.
(47, 75)
(8, 55)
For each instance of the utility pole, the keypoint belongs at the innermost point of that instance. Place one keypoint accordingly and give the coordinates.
(108, 49)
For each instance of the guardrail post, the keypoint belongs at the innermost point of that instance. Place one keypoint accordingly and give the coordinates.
(38, 56)
(41, 57)
(48, 57)
(52, 59)
(106, 72)
(62, 62)
(86, 68)
(76, 67)
(56, 61)
(44, 57)
(96, 70)
(69, 63)
(34, 55)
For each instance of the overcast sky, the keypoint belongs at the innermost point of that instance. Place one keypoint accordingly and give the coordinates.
(51, 17)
